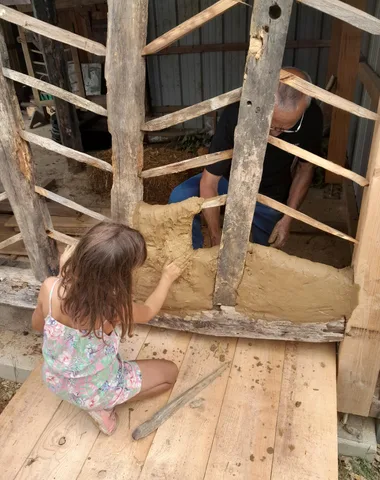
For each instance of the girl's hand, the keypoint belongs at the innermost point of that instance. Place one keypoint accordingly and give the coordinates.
(171, 272)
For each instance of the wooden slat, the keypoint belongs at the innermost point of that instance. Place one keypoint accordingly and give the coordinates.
(10, 241)
(61, 237)
(306, 440)
(23, 421)
(188, 26)
(51, 31)
(172, 459)
(194, 111)
(359, 359)
(120, 455)
(55, 91)
(66, 442)
(239, 47)
(28, 62)
(53, 146)
(3, 196)
(125, 75)
(201, 161)
(347, 65)
(280, 207)
(312, 90)
(245, 437)
(262, 73)
(370, 80)
(316, 160)
(69, 203)
(18, 177)
(347, 13)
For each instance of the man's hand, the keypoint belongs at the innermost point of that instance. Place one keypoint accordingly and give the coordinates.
(280, 233)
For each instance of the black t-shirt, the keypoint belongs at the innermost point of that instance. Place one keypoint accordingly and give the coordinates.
(276, 179)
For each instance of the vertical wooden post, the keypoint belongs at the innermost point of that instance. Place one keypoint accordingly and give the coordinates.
(56, 69)
(17, 177)
(347, 65)
(269, 26)
(359, 356)
(125, 75)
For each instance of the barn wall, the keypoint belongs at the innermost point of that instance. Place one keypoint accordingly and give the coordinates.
(186, 79)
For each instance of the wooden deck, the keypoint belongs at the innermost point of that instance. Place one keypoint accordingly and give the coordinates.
(271, 416)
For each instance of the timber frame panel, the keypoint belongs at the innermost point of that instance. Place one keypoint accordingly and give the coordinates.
(126, 92)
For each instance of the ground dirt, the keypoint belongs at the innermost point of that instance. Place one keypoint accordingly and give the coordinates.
(359, 469)
(7, 390)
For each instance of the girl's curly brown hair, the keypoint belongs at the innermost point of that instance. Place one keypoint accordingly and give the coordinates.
(97, 277)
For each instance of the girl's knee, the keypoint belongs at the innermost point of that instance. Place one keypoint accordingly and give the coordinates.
(171, 372)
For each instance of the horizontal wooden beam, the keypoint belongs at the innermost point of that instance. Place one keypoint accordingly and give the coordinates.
(188, 26)
(62, 237)
(70, 204)
(370, 80)
(19, 288)
(238, 47)
(55, 91)
(280, 207)
(200, 161)
(347, 13)
(3, 196)
(327, 97)
(316, 160)
(10, 241)
(53, 146)
(51, 31)
(194, 111)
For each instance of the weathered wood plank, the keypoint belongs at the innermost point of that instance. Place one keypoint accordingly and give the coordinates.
(306, 441)
(370, 80)
(18, 178)
(247, 423)
(194, 111)
(3, 196)
(57, 73)
(316, 160)
(55, 91)
(317, 92)
(201, 161)
(125, 75)
(347, 71)
(53, 146)
(20, 289)
(69, 203)
(10, 241)
(359, 358)
(188, 26)
(63, 238)
(262, 73)
(28, 62)
(51, 31)
(347, 13)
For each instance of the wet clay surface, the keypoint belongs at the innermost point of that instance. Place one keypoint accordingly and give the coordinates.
(275, 285)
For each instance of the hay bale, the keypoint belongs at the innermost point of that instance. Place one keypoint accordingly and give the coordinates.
(156, 190)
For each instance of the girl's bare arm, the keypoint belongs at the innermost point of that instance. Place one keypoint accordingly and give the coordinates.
(145, 312)
(38, 318)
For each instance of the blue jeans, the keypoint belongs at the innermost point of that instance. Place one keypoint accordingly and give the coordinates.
(264, 219)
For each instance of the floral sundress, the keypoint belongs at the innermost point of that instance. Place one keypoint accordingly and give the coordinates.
(86, 371)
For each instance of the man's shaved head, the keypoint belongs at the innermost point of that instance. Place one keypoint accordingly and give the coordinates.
(289, 99)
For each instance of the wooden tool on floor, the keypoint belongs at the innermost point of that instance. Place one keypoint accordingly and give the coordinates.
(166, 412)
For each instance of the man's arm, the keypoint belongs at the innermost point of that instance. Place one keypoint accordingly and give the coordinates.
(301, 182)
(208, 189)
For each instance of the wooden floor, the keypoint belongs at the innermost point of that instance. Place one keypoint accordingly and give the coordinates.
(271, 416)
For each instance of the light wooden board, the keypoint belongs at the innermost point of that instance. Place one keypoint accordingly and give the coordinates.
(120, 457)
(63, 447)
(244, 439)
(306, 441)
(181, 446)
(23, 421)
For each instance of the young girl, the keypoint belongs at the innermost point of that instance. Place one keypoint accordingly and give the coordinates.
(85, 313)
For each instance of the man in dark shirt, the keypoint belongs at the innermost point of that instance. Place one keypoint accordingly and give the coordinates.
(297, 120)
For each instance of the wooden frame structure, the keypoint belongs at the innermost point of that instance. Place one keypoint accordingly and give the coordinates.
(125, 73)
